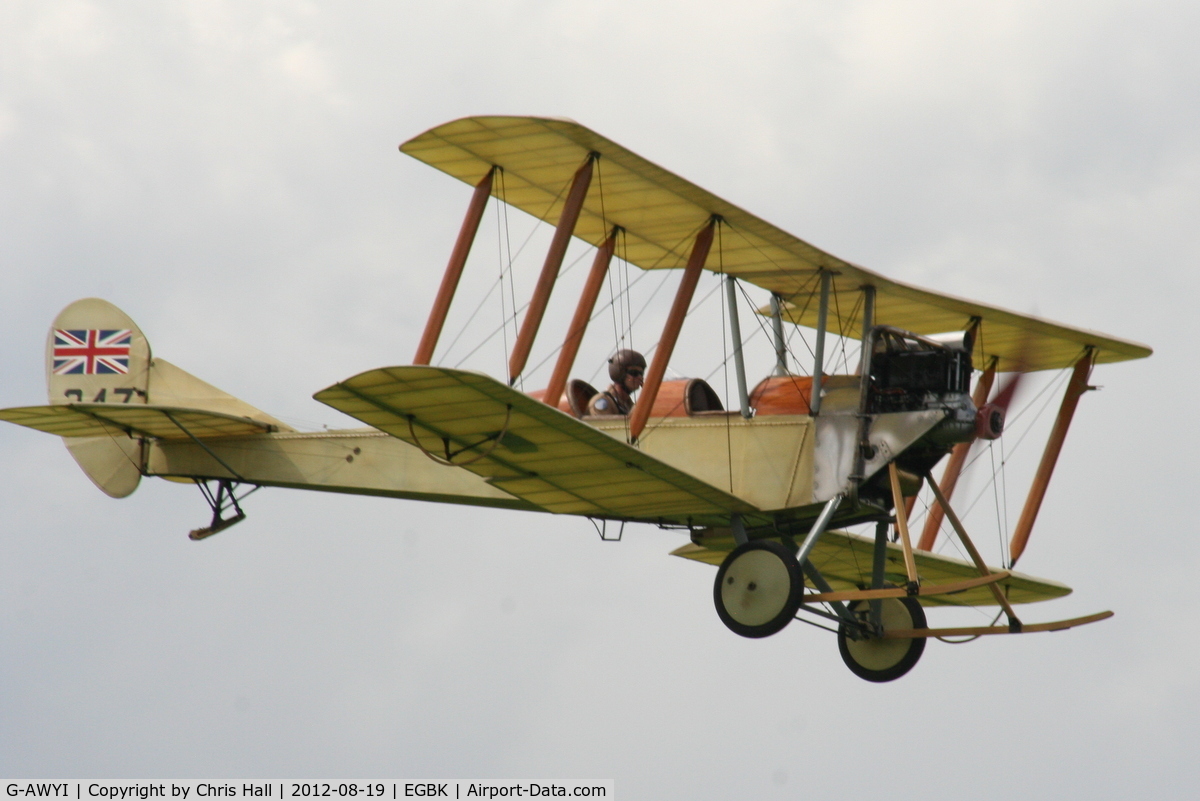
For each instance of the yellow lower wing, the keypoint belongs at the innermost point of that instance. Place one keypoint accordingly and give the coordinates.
(844, 559)
(525, 447)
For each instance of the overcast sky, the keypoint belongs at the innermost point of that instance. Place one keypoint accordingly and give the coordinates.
(227, 173)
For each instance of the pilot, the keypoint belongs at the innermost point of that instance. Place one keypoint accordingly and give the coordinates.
(626, 368)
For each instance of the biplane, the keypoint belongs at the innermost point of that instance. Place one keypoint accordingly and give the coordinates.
(765, 492)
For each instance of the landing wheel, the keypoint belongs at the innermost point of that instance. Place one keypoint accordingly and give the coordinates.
(884, 660)
(758, 588)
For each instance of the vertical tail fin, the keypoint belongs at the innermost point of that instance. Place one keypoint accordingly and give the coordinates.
(96, 354)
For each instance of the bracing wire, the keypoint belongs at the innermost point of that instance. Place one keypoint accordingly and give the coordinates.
(597, 314)
(512, 318)
(843, 323)
(631, 321)
(462, 330)
(837, 310)
(1020, 440)
(630, 315)
(814, 278)
(996, 497)
(511, 259)
(812, 293)
(998, 473)
(695, 307)
(818, 625)
(618, 321)
(609, 275)
(1004, 542)
(758, 318)
(711, 373)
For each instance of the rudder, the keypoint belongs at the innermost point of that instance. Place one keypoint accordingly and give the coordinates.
(95, 353)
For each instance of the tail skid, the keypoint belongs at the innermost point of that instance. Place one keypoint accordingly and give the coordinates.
(221, 501)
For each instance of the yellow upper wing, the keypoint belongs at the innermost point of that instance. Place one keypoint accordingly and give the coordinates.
(525, 447)
(662, 212)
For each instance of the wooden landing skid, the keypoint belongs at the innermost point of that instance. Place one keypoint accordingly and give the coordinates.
(1026, 628)
(900, 592)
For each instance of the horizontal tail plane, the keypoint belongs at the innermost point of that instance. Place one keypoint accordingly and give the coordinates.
(106, 390)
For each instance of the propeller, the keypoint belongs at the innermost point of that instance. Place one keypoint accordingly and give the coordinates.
(990, 418)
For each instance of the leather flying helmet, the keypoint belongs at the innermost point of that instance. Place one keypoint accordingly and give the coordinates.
(622, 361)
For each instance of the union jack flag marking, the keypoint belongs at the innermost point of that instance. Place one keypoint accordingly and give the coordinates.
(91, 351)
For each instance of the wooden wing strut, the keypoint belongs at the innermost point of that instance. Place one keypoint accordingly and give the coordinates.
(1014, 622)
(666, 343)
(910, 564)
(454, 269)
(554, 257)
(583, 313)
(1041, 480)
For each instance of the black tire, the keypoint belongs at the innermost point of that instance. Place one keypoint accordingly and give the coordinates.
(758, 588)
(884, 660)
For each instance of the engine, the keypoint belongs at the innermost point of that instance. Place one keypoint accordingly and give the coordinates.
(911, 373)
